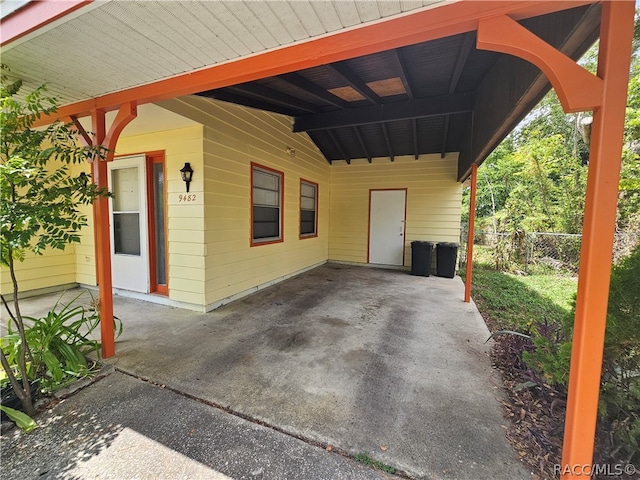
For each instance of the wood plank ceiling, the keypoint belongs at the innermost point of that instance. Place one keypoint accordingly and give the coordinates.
(414, 100)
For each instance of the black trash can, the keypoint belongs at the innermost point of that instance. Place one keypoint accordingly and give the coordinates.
(421, 258)
(446, 256)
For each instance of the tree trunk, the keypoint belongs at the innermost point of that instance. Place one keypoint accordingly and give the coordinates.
(23, 393)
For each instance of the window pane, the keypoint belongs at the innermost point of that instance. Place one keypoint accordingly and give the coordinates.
(158, 192)
(308, 203)
(266, 222)
(267, 198)
(126, 233)
(307, 222)
(125, 189)
(265, 180)
(307, 190)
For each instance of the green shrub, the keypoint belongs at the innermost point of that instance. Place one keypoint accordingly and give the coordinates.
(620, 394)
(620, 388)
(58, 344)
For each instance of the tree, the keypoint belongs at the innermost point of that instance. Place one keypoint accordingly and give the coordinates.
(39, 197)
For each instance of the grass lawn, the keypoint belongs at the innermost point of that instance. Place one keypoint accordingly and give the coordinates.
(514, 302)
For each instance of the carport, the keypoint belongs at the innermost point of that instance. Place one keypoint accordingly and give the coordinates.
(550, 35)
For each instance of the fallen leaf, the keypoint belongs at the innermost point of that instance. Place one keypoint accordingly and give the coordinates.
(383, 448)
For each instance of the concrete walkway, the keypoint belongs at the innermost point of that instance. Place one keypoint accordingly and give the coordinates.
(365, 360)
(124, 428)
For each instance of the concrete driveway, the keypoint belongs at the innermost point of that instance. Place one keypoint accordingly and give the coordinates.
(363, 359)
(359, 358)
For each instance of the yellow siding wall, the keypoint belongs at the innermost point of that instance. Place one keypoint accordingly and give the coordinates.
(53, 268)
(233, 138)
(85, 258)
(433, 202)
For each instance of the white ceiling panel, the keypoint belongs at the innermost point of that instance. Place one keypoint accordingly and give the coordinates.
(348, 13)
(110, 46)
(368, 11)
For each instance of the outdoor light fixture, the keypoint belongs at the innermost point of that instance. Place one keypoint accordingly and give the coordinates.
(187, 174)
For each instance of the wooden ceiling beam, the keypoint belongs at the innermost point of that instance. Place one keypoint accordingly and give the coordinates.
(355, 81)
(445, 136)
(416, 152)
(419, 108)
(356, 130)
(339, 146)
(463, 55)
(402, 71)
(267, 94)
(311, 88)
(227, 96)
(387, 138)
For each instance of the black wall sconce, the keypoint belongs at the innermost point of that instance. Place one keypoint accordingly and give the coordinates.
(187, 174)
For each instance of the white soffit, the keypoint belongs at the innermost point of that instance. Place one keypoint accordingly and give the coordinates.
(112, 46)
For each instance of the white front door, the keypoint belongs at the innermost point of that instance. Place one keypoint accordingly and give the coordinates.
(386, 226)
(129, 231)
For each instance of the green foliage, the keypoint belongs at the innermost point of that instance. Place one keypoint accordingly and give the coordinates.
(365, 459)
(551, 353)
(39, 206)
(21, 419)
(620, 398)
(39, 195)
(58, 343)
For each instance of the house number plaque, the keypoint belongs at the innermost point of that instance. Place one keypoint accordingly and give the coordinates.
(187, 198)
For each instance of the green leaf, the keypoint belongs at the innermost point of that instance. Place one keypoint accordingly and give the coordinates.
(507, 332)
(21, 419)
(524, 386)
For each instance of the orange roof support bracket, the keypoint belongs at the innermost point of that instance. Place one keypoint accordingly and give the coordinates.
(85, 138)
(616, 32)
(576, 87)
(470, 233)
(127, 112)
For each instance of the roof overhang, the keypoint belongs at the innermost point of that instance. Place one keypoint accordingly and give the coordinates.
(182, 48)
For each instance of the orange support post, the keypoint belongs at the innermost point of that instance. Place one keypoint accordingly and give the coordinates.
(101, 231)
(103, 241)
(470, 233)
(616, 32)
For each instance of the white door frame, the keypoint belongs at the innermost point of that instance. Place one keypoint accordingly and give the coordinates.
(402, 230)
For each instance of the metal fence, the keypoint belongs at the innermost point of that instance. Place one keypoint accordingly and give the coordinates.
(542, 250)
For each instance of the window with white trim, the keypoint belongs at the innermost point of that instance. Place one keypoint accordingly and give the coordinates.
(308, 209)
(266, 199)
